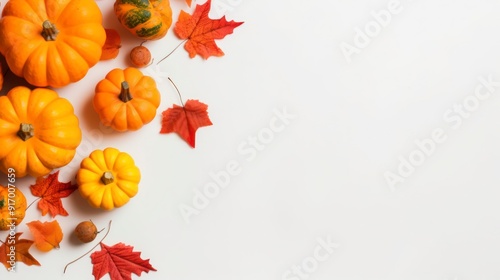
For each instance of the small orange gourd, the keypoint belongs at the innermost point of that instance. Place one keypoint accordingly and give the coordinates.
(126, 99)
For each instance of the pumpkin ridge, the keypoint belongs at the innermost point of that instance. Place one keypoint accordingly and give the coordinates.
(22, 6)
(59, 11)
(133, 114)
(134, 17)
(43, 164)
(71, 8)
(76, 46)
(110, 156)
(38, 101)
(49, 162)
(36, 63)
(10, 55)
(57, 69)
(20, 112)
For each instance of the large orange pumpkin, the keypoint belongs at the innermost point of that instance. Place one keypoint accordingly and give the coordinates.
(38, 131)
(51, 42)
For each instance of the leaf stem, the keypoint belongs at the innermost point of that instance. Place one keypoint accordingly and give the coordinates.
(171, 51)
(177, 89)
(109, 228)
(37, 199)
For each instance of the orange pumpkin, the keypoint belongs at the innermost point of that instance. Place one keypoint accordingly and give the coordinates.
(1, 74)
(38, 131)
(12, 206)
(49, 42)
(126, 99)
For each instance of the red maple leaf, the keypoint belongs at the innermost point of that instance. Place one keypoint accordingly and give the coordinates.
(120, 261)
(185, 120)
(50, 191)
(200, 31)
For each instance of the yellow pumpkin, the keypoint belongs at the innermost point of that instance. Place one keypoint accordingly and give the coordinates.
(108, 178)
(146, 19)
(51, 42)
(38, 131)
(126, 99)
(12, 207)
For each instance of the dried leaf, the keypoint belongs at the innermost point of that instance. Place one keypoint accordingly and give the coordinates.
(14, 250)
(201, 32)
(47, 235)
(185, 120)
(119, 261)
(112, 45)
(50, 191)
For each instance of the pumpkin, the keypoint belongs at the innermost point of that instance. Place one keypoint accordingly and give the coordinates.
(126, 99)
(1, 72)
(38, 131)
(108, 178)
(146, 19)
(51, 43)
(12, 207)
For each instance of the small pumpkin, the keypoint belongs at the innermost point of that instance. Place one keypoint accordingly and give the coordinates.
(126, 99)
(38, 131)
(12, 207)
(146, 19)
(51, 43)
(1, 72)
(108, 178)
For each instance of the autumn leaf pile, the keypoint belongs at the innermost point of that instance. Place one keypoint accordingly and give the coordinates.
(198, 33)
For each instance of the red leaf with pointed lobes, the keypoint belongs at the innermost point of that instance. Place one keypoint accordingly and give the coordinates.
(185, 120)
(50, 191)
(119, 261)
(200, 31)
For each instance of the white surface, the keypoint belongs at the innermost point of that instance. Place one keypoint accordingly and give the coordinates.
(322, 176)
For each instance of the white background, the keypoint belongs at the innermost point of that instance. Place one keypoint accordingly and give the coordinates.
(322, 176)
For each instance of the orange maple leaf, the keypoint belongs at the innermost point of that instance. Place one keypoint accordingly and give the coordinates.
(16, 250)
(47, 235)
(188, 2)
(200, 31)
(50, 191)
(119, 261)
(185, 120)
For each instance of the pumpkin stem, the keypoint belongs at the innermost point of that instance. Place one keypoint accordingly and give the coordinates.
(49, 31)
(107, 178)
(26, 131)
(125, 94)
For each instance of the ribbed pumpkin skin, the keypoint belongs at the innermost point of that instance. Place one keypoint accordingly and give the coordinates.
(18, 201)
(146, 19)
(130, 115)
(56, 131)
(108, 195)
(58, 62)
